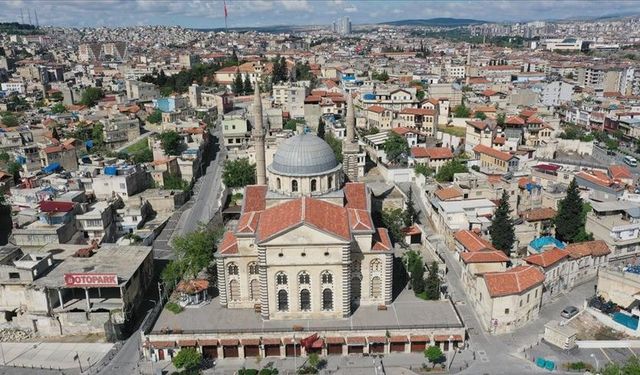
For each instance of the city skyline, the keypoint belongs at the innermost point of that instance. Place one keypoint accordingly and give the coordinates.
(259, 13)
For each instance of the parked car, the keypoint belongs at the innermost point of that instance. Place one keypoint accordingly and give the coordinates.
(569, 312)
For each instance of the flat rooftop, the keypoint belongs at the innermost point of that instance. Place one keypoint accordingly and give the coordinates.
(406, 312)
(121, 260)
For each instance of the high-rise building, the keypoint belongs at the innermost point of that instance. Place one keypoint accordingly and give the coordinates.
(345, 26)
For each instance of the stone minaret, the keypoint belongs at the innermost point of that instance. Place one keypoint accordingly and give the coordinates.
(258, 138)
(350, 148)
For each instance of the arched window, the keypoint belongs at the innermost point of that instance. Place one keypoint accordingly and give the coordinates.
(375, 265)
(305, 300)
(330, 182)
(356, 288)
(283, 300)
(253, 268)
(326, 277)
(254, 290)
(327, 300)
(234, 290)
(314, 186)
(278, 183)
(232, 269)
(376, 287)
(303, 278)
(281, 278)
(294, 185)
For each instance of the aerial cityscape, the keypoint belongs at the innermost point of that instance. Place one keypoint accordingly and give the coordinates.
(319, 187)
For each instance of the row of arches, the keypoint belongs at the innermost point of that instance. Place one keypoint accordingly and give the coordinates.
(304, 300)
(313, 184)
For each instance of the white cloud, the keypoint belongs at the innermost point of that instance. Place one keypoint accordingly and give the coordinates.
(351, 9)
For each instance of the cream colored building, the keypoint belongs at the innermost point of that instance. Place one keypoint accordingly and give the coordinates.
(305, 245)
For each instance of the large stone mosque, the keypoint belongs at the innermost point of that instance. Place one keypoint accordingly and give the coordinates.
(305, 246)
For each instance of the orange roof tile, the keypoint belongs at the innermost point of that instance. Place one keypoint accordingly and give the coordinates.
(248, 222)
(448, 193)
(360, 219)
(492, 256)
(376, 109)
(381, 240)
(229, 244)
(538, 214)
(514, 281)
(547, 258)
(418, 111)
(582, 249)
(472, 242)
(482, 149)
(254, 198)
(432, 152)
(355, 194)
(619, 171)
(514, 120)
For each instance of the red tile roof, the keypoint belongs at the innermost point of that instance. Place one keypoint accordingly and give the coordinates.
(547, 258)
(412, 230)
(492, 256)
(381, 240)
(192, 286)
(432, 152)
(322, 215)
(478, 124)
(488, 92)
(448, 193)
(355, 194)
(403, 130)
(254, 198)
(229, 244)
(56, 206)
(248, 222)
(472, 242)
(360, 219)
(515, 281)
(539, 214)
(482, 149)
(514, 120)
(619, 172)
(534, 120)
(582, 249)
(596, 177)
(418, 111)
(376, 109)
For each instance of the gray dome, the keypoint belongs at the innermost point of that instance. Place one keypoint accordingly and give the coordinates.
(304, 154)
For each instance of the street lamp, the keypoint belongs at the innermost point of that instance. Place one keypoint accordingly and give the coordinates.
(597, 363)
(295, 362)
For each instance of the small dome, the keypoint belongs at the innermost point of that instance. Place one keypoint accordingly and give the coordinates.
(304, 154)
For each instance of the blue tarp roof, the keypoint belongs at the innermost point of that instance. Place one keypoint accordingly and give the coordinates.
(545, 241)
(51, 168)
(368, 96)
(88, 143)
(111, 170)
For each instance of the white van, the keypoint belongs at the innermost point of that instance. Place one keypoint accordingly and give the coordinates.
(630, 161)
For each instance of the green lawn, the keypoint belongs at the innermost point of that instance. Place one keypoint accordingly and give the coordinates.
(137, 147)
(457, 131)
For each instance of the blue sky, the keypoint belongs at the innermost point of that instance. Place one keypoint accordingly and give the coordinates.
(242, 13)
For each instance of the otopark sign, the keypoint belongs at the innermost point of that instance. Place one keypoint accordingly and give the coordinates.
(90, 279)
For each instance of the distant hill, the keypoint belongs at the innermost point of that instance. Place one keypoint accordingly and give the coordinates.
(451, 22)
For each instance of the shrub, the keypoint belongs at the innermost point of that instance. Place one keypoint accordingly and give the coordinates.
(173, 307)
(188, 359)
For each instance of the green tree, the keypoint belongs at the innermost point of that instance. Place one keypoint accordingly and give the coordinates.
(4, 157)
(14, 169)
(144, 156)
(501, 119)
(480, 115)
(9, 120)
(335, 144)
(569, 220)
(155, 117)
(433, 355)
(415, 266)
(423, 170)
(461, 111)
(171, 142)
(246, 86)
(91, 96)
(393, 220)
(396, 148)
(193, 252)
(501, 229)
(175, 182)
(97, 134)
(383, 76)
(188, 359)
(321, 128)
(237, 86)
(411, 214)
(238, 173)
(420, 95)
(58, 108)
(432, 284)
(448, 169)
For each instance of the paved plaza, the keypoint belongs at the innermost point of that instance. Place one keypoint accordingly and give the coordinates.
(53, 355)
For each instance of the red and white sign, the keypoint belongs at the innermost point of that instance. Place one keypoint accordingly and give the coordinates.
(90, 279)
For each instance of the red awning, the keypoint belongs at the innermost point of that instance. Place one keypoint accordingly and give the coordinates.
(271, 341)
(318, 344)
(250, 342)
(377, 339)
(356, 340)
(229, 342)
(547, 167)
(208, 342)
(163, 344)
(443, 338)
(420, 339)
(187, 342)
(335, 340)
(398, 339)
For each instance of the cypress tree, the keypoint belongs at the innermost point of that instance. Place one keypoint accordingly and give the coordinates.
(321, 128)
(569, 220)
(247, 88)
(432, 284)
(411, 214)
(501, 230)
(237, 86)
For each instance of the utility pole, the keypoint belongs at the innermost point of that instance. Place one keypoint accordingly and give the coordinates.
(21, 17)
(35, 11)
(29, 14)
